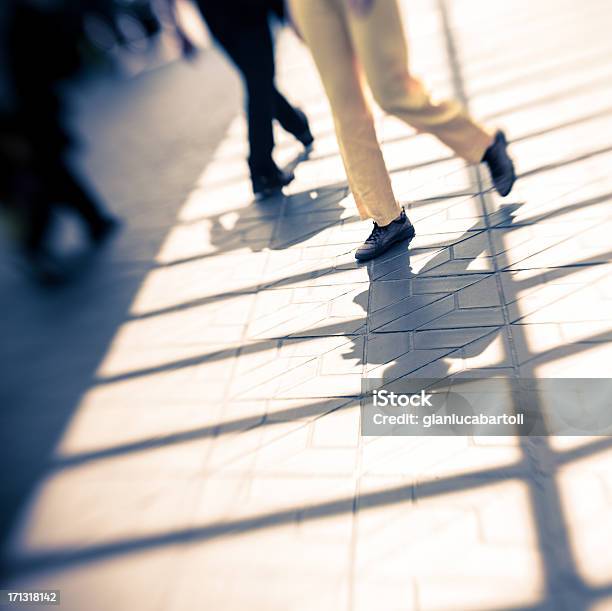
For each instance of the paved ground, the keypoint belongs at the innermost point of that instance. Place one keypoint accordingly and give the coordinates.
(180, 430)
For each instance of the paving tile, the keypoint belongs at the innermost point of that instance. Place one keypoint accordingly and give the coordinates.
(198, 281)
(421, 316)
(393, 362)
(448, 338)
(475, 305)
(489, 351)
(552, 302)
(293, 229)
(579, 360)
(448, 284)
(338, 429)
(472, 317)
(482, 294)
(399, 309)
(584, 486)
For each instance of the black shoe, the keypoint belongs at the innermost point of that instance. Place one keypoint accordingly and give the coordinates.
(382, 238)
(500, 165)
(305, 137)
(270, 183)
(103, 229)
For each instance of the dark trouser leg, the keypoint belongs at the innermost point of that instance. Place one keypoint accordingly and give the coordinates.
(260, 113)
(248, 43)
(291, 120)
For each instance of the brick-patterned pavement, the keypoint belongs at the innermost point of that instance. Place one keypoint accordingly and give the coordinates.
(207, 451)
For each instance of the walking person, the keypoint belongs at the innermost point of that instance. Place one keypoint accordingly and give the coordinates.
(242, 29)
(350, 39)
(35, 175)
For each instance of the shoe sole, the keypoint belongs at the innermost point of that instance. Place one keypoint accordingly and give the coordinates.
(399, 238)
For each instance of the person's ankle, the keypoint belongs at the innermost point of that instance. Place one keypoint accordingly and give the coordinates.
(488, 150)
(400, 218)
(263, 168)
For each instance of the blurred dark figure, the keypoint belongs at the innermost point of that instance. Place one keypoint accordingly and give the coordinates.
(242, 28)
(41, 43)
(126, 22)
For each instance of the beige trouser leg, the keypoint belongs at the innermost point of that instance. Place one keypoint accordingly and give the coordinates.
(380, 44)
(344, 45)
(323, 25)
